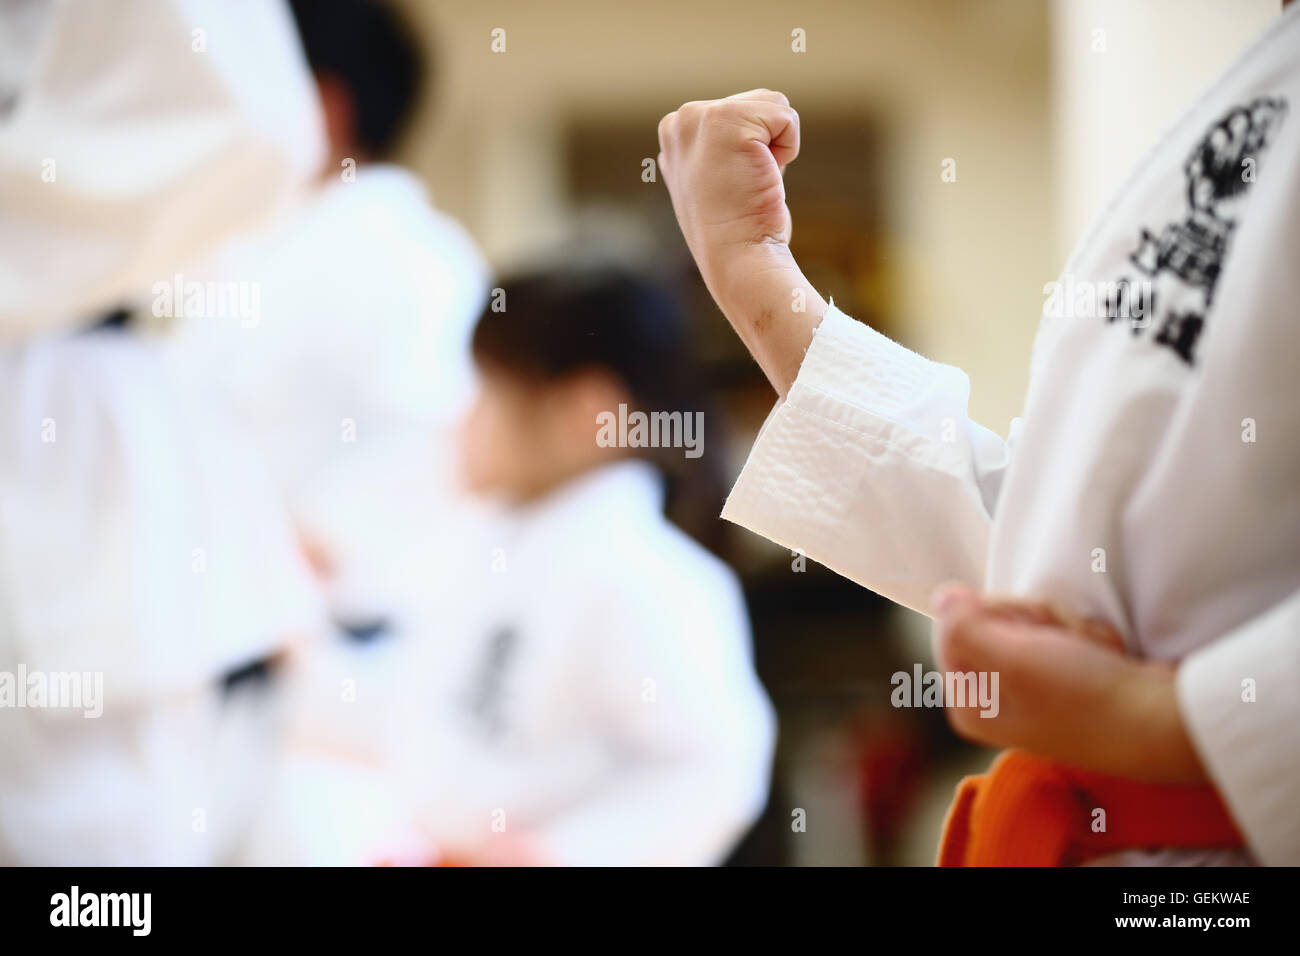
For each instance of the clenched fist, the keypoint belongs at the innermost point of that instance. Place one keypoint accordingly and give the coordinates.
(722, 161)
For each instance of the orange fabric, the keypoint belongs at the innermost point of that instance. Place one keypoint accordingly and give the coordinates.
(1027, 811)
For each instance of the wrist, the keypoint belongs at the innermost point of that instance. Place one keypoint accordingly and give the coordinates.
(744, 276)
(773, 308)
(1162, 751)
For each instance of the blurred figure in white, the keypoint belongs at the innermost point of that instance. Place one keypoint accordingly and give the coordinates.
(593, 700)
(148, 573)
(349, 376)
(351, 369)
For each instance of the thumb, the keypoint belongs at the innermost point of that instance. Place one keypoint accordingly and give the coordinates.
(954, 600)
(959, 638)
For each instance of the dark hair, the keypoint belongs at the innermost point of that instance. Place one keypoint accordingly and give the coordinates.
(368, 48)
(554, 323)
(558, 322)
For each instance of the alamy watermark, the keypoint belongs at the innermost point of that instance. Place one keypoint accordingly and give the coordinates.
(923, 688)
(193, 299)
(1073, 298)
(53, 690)
(637, 429)
(132, 911)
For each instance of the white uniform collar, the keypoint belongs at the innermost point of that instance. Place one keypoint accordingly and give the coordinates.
(631, 488)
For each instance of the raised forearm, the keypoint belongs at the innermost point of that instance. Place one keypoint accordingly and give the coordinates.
(723, 162)
(772, 307)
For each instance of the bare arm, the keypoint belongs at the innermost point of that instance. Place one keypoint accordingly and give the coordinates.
(723, 162)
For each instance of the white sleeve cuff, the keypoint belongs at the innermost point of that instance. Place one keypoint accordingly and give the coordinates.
(870, 467)
(1238, 701)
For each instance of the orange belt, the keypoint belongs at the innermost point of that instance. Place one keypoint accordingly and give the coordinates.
(1027, 811)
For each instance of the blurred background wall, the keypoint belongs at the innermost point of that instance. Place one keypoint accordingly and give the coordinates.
(1040, 105)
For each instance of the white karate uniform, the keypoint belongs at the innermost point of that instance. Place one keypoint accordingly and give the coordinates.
(352, 376)
(350, 381)
(593, 690)
(140, 538)
(588, 686)
(1154, 489)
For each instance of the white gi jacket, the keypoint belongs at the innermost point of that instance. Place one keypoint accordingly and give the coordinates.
(595, 691)
(1154, 477)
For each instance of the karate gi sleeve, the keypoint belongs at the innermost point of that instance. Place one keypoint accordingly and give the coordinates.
(676, 690)
(1239, 705)
(873, 467)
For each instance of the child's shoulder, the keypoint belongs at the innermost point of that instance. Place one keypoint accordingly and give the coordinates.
(663, 566)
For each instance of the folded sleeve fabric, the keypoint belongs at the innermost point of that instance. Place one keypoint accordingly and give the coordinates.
(873, 467)
(1238, 700)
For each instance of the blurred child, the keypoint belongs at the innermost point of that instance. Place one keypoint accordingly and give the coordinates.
(596, 702)
(350, 378)
(349, 382)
